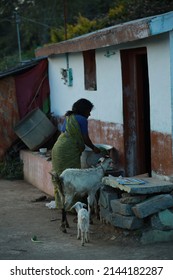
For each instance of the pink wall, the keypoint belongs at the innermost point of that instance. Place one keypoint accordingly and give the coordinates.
(110, 134)
(36, 171)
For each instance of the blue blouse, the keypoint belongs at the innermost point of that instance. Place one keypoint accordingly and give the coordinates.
(83, 123)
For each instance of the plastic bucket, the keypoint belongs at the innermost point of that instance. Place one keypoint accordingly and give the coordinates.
(35, 129)
(89, 158)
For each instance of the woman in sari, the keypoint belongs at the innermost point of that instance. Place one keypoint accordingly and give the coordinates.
(66, 152)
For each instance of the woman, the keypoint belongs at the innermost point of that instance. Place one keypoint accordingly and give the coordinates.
(67, 150)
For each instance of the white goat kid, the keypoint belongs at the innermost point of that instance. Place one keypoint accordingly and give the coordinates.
(79, 182)
(78, 206)
(83, 222)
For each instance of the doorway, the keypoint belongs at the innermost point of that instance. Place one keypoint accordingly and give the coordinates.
(136, 112)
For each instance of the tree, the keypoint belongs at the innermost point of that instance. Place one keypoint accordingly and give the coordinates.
(49, 21)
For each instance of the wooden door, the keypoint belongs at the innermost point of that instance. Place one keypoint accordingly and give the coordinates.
(136, 111)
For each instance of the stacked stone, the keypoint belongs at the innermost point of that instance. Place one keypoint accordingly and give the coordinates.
(129, 207)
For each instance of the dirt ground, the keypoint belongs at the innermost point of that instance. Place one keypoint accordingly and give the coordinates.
(23, 217)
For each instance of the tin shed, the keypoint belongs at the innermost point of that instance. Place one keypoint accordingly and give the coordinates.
(22, 89)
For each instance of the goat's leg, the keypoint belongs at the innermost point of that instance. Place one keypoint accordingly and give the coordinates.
(90, 214)
(66, 222)
(59, 199)
(86, 236)
(93, 198)
(96, 202)
(67, 202)
(78, 233)
(82, 238)
(64, 218)
(63, 221)
(90, 203)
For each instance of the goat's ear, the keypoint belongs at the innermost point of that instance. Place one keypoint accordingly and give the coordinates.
(101, 160)
(73, 206)
(107, 156)
(85, 206)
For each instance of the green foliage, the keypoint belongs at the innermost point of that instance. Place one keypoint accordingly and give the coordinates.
(82, 26)
(57, 35)
(143, 8)
(9, 61)
(116, 11)
(11, 169)
(43, 22)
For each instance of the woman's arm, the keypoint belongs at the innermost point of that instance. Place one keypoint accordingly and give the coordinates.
(83, 123)
(89, 143)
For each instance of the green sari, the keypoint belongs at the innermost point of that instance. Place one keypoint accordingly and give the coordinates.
(67, 151)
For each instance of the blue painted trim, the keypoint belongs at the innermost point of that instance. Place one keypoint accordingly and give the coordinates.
(171, 78)
(161, 24)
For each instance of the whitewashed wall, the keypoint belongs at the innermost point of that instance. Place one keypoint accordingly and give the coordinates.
(62, 96)
(160, 84)
(108, 97)
(109, 87)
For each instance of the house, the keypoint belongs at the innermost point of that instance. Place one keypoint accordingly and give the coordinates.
(126, 70)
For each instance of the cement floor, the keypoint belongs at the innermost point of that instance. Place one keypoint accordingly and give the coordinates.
(21, 219)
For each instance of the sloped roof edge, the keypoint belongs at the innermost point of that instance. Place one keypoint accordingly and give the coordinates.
(20, 68)
(114, 35)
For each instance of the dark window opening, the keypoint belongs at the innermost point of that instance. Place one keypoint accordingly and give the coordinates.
(90, 70)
